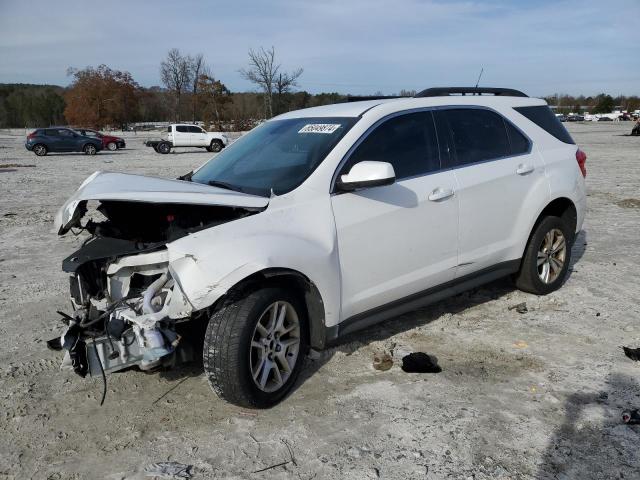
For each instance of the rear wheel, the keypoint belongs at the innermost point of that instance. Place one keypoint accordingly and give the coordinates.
(90, 149)
(163, 147)
(547, 257)
(254, 347)
(40, 150)
(112, 146)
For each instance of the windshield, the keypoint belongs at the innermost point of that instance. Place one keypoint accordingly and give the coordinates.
(278, 155)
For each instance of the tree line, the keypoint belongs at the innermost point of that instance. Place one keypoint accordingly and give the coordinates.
(602, 103)
(103, 97)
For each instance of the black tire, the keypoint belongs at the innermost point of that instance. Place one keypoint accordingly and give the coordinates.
(216, 146)
(529, 278)
(112, 146)
(163, 147)
(40, 150)
(228, 347)
(90, 149)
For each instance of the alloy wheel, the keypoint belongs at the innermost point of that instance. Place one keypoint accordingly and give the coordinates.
(275, 346)
(551, 255)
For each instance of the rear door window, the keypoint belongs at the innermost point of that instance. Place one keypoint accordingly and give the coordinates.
(182, 128)
(472, 135)
(519, 143)
(542, 116)
(408, 142)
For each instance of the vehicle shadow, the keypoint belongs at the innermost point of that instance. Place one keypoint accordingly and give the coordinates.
(403, 323)
(599, 448)
(424, 316)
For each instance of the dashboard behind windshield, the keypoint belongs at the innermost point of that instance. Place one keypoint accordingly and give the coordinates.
(276, 156)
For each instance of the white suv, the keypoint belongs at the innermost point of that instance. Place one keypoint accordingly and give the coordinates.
(316, 224)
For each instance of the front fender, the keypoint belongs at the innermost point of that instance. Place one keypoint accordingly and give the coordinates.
(299, 237)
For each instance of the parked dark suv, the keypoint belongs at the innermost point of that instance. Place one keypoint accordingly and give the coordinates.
(45, 140)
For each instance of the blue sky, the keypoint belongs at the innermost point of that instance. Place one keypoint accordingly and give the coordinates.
(350, 46)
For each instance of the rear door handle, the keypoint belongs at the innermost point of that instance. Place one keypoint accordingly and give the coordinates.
(440, 194)
(523, 169)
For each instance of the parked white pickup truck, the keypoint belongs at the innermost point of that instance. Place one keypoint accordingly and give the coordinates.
(182, 135)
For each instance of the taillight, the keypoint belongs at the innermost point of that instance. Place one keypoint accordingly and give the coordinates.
(31, 135)
(581, 158)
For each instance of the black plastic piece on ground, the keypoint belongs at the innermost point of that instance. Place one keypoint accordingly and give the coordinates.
(420, 362)
(447, 91)
(632, 417)
(632, 353)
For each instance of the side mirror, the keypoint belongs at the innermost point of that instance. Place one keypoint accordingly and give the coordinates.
(366, 174)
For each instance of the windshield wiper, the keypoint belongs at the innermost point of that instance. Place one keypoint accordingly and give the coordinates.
(186, 177)
(225, 185)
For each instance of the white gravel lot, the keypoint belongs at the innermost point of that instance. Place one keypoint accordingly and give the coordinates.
(521, 396)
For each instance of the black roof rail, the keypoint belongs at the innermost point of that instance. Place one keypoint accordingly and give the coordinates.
(360, 98)
(448, 91)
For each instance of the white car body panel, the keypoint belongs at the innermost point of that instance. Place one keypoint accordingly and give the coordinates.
(291, 233)
(140, 188)
(394, 242)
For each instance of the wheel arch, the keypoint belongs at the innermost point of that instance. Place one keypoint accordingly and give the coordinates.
(289, 278)
(562, 207)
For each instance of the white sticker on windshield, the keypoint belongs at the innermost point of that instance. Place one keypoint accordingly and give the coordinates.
(319, 128)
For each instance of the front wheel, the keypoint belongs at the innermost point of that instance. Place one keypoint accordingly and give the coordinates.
(90, 149)
(254, 347)
(216, 146)
(111, 146)
(547, 257)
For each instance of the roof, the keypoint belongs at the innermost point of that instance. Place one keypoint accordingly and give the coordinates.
(351, 109)
(356, 109)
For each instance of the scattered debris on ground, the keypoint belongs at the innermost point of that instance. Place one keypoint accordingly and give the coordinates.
(520, 344)
(629, 203)
(632, 353)
(382, 361)
(420, 362)
(520, 307)
(631, 417)
(14, 165)
(168, 470)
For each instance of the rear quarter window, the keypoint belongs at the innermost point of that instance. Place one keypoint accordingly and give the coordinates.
(542, 116)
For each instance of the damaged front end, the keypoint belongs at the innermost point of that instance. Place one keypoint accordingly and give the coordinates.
(125, 308)
(128, 309)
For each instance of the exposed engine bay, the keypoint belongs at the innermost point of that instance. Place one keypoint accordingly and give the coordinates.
(127, 307)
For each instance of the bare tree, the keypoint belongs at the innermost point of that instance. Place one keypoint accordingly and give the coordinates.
(198, 67)
(284, 82)
(265, 73)
(175, 73)
(262, 71)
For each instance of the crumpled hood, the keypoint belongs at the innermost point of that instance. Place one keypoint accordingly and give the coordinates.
(140, 188)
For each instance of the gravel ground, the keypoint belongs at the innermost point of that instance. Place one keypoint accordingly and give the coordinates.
(536, 395)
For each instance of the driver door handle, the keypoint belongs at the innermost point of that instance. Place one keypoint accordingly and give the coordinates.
(440, 194)
(523, 169)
